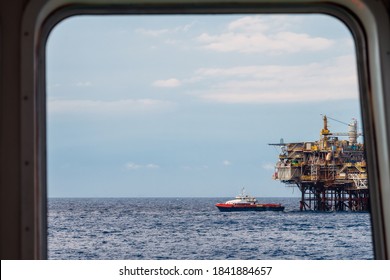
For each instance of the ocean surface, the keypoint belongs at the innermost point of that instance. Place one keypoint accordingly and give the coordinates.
(193, 228)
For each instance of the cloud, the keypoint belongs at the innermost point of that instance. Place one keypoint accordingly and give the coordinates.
(160, 32)
(248, 24)
(263, 23)
(226, 163)
(135, 166)
(196, 167)
(334, 80)
(170, 83)
(268, 166)
(254, 34)
(125, 106)
(152, 166)
(152, 32)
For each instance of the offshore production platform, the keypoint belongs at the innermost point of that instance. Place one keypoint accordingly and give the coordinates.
(330, 173)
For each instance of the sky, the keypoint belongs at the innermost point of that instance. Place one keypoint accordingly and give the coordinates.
(186, 105)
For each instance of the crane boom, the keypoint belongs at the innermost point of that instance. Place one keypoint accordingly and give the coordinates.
(338, 121)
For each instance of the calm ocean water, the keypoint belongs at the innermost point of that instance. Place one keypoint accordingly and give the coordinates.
(193, 228)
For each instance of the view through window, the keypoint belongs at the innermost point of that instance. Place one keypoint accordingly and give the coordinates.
(153, 120)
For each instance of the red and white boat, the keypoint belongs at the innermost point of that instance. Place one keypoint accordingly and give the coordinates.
(244, 202)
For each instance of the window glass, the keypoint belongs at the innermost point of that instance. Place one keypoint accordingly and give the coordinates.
(153, 120)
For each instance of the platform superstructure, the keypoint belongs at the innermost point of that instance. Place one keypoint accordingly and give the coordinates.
(330, 173)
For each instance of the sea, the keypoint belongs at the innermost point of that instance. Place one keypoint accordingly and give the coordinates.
(194, 229)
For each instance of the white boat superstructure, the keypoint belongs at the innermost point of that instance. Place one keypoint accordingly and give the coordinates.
(242, 198)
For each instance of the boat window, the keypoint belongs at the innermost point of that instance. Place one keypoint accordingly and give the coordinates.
(155, 120)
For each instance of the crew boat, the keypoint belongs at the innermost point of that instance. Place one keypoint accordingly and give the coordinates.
(244, 202)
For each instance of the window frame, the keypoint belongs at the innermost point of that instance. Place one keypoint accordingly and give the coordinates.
(366, 19)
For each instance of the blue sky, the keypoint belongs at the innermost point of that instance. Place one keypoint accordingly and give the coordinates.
(177, 106)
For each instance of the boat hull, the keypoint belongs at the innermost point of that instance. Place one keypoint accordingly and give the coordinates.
(253, 207)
